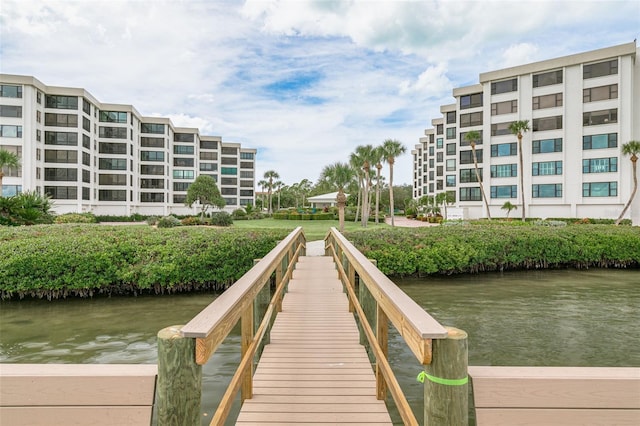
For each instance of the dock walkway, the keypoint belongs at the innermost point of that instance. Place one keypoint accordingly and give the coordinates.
(314, 370)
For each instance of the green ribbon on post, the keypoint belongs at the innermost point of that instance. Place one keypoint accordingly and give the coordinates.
(441, 381)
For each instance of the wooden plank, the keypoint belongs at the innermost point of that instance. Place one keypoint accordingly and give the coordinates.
(556, 387)
(75, 416)
(564, 417)
(339, 418)
(77, 384)
(314, 407)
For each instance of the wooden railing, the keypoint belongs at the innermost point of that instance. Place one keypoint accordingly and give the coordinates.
(379, 302)
(182, 350)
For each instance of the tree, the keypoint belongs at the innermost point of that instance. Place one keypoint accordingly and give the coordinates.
(7, 159)
(270, 175)
(339, 175)
(517, 128)
(392, 149)
(631, 148)
(278, 185)
(378, 157)
(205, 191)
(263, 184)
(366, 155)
(355, 161)
(508, 207)
(473, 137)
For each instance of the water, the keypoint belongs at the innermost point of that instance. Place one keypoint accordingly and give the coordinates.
(561, 318)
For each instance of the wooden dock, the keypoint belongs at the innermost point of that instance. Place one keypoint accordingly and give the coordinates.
(314, 371)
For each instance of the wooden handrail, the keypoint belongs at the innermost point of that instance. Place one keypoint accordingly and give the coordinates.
(413, 323)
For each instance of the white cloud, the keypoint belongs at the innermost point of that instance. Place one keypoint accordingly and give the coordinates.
(433, 82)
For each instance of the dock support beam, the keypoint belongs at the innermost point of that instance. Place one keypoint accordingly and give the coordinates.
(446, 394)
(179, 387)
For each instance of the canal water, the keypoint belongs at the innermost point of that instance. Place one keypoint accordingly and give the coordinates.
(555, 318)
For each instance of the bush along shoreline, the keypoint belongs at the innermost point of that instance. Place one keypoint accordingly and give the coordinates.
(473, 249)
(58, 261)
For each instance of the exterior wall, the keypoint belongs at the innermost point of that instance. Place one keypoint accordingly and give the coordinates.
(108, 159)
(571, 182)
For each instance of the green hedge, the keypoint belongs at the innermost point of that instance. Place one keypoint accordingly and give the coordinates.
(83, 260)
(472, 248)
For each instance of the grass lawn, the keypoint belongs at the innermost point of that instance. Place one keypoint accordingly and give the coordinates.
(313, 230)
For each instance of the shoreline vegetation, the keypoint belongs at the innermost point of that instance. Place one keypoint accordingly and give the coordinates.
(70, 260)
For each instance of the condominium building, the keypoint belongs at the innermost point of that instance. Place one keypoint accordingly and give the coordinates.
(581, 109)
(108, 159)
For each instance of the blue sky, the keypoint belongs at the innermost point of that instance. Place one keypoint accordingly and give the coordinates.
(303, 81)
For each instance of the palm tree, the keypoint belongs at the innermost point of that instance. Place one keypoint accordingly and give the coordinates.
(378, 157)
(508, 207)
(339, 175)
(473, 137)
(270, 175)
(631, 148)
(355, 161)
(278, 186)
(7, 159)
(517, 128)
(304, 186)
(263, 184)
(366, 154)
(392, 149)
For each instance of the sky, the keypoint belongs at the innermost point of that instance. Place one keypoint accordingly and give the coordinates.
(302, 81)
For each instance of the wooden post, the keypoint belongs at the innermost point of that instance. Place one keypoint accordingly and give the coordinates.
(179, 387)
(382, 334)
(263, 298)
(246, 337)
(445, 383)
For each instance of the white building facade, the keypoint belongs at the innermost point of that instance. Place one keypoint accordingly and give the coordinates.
(107, 159)
(581, 110)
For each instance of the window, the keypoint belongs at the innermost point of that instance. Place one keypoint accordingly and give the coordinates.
(151, 156)
(61, 138)
(600, 189)
(183, 174)
(439, 144)
(228, 191)
(504, 86)
(229, 181)
(157, 129)
(470, 194)
(112, 195)
(10, 190)
(246, 192)
(545, 168)
(451, 149)
(451, 132)
(439, 157)
(506, 107)
(471, 101)
(547, 123)
(8, 91)
(600, 165)
(498, 129)
(609, 140)
(113, 117)
(600, 69)
(179, 198)
(246, 183)
(249, 155)
(451, 165)
(147, 142)
(86, 159)
(547, 78)
(152, 197)
(547, 101)
(208, 144)
(246, 174)
(86, 106)
(112, 164)
(112, 179)
(86, 176)
(471, 119)
(552, 190)
(504, 191)
(146, 169)
(61, 102)
(604, 116)
(229, 170)
(60, 120)
(211, 156)
(86, 193)
(11, 131)
(61, 192)
(246, 165)
(67, 175)
(183, 137)
(181, 186)
(466, 157)
(546, 145)
(451, 180)
(463, 139)
(113, 132)
(10, 111)
(504, 170)
(208, 167)
(229, 160)
(451, 117)
(183, 149)
(86, 124)
(112, 148)
(504, 149)
(439, 129)
(600, 93)
(229, 151)
(86, 142)
(183, 162)
(439, 171)
(60, 156)
(152, 183)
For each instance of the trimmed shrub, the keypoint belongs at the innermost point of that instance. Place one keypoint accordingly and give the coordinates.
(168, 222)
(221, 219)
(191, 221)
(75, 218)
